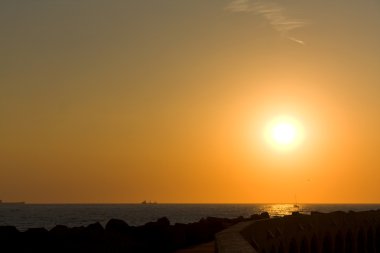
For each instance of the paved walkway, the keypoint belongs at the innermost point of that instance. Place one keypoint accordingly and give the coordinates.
(201, 248)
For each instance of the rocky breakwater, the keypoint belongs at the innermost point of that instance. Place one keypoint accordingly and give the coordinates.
(117, 236)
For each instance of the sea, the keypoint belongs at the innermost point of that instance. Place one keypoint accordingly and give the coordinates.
(76, 215)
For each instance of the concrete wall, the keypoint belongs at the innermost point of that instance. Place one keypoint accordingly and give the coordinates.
(336, 232)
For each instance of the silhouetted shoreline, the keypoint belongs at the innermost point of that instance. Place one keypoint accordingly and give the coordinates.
(117, 236)
(161, 236)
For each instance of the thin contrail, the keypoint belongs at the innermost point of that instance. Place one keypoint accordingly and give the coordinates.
(273, 13)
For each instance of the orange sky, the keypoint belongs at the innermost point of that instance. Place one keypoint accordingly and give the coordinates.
(120, 102)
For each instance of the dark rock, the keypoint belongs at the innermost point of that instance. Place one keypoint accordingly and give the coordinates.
(37, 239)
(264, 215)
(255, 217)
(95, 228)
(178, 235)
(8, 231)
(9, 236)
(164, 221)
(117, 226)
(154, 236)
(339, 213)
(161, 222)
(77, 235)
(118, 236)
(59, 230)
(215, 224)
(37, 231)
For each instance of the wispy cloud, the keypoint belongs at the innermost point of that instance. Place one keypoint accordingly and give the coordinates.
(274, 13)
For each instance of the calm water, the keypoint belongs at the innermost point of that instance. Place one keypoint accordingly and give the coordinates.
(30, 215)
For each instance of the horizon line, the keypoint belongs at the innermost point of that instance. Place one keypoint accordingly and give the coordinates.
(200, 203)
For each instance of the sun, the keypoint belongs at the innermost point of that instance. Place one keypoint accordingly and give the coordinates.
(284, 133)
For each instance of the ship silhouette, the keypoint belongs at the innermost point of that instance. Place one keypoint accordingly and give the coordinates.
(148, 203)
(12, 203)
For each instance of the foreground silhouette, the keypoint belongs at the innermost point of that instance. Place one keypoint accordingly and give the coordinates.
(336, 232)
(117, 236)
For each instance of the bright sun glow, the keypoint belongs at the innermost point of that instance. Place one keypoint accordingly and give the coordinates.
(284, 133)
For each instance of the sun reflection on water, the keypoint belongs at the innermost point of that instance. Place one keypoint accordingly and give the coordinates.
(281, 209)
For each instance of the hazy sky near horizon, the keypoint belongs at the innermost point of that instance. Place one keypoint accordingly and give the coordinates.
(122, 101)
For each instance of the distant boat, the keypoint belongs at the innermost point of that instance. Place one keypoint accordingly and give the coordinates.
(148, 203)
(12, 203)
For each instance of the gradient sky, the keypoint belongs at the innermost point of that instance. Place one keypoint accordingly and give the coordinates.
(122, 101)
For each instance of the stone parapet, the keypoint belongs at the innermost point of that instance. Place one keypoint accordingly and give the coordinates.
(338, 232)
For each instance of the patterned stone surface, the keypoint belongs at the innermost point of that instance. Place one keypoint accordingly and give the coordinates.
(338, 232)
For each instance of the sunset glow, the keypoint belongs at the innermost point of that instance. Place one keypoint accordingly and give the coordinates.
(284, 133)
(189, 101)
